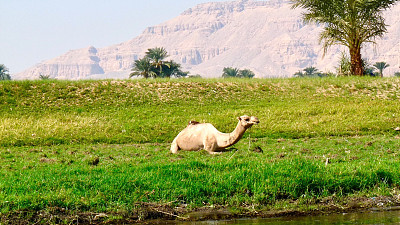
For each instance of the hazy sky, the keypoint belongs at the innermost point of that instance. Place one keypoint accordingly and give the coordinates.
(32, 31)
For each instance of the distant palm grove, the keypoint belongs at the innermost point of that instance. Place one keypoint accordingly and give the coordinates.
(153, 65)
(235, 72)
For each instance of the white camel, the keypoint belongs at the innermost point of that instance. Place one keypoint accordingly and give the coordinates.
(205, 136)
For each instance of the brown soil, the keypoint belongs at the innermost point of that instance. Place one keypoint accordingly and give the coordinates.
(146, 213)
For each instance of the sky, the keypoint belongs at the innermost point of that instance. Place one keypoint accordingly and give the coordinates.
(32, 31)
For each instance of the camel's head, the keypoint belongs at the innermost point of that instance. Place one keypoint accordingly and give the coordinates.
(248, 121)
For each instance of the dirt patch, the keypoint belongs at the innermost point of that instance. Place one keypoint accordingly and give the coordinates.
(148, 213)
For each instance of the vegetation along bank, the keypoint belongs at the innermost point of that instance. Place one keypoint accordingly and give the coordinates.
(98, 151)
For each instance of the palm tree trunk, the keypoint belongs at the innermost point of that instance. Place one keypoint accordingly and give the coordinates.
(356, 61)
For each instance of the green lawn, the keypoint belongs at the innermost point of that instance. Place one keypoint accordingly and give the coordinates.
(103, 146)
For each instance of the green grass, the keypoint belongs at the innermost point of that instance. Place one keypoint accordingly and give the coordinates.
(53, 131)
(64, 176)
(61, 112)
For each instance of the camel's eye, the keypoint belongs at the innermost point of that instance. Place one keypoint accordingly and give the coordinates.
(247, 119)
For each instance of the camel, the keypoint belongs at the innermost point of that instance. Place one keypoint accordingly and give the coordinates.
(205, 136)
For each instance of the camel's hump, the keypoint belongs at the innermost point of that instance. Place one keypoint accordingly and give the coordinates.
(192, 122)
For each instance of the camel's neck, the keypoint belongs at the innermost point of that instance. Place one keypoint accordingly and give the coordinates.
(235, 136)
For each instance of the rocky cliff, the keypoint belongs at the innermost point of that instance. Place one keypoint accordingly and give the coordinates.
(267, 37)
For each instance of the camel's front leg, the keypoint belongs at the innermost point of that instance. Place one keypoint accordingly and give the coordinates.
(210, 145)
(215, 153)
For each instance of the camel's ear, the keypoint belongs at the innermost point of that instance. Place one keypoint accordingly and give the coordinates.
(239, 118)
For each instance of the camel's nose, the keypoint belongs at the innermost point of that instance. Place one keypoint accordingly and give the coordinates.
(255, 120)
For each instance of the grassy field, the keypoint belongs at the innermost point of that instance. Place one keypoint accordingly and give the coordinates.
(103, 146)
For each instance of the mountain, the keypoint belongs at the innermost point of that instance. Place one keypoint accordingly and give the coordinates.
(267, 37)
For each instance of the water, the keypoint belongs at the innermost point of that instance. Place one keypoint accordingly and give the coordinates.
(372, 217)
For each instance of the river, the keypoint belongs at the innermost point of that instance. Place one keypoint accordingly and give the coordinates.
(371, 217)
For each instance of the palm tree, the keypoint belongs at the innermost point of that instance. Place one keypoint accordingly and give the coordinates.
(246, 73)
(381, 66)
(230, 72)
(44, 77)
(142, 67)
(4, 75)
(172, 68)
(310, 71)
(157, 55)
(299, 74)
(153, 65)
(347, 22)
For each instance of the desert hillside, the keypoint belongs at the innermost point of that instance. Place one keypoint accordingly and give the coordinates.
(267, 37)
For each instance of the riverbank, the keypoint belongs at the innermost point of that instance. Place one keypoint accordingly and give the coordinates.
(165, 214)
